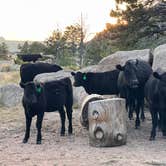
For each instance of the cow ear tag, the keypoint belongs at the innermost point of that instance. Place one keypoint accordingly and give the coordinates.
(38, 90)
(84, 77)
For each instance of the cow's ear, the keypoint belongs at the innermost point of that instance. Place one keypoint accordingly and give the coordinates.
(156, 75)
(22, 85)
(119, 67)
(73, 73)
(136, 63)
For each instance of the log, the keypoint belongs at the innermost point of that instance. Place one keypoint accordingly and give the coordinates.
(84, 107)
(107, 122)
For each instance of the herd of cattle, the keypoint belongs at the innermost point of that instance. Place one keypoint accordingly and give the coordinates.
(134, 81)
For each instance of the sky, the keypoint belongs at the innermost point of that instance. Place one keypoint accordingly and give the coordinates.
(36, 19)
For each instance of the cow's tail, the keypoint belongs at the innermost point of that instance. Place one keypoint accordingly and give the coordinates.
(69, 93)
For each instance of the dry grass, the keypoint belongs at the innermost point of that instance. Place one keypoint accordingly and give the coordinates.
(9, 77)
(10, 114)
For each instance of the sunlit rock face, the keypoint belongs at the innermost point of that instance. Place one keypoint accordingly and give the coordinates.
(159, 60)
(120, 57)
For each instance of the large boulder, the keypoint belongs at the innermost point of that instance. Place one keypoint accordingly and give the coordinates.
(98, 68)
(159, 60)
(78, 92)
(10, 95)
(120, 57)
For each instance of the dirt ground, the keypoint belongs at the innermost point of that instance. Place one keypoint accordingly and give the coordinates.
(73, 150)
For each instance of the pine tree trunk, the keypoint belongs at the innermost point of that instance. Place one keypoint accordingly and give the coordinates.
(107, 122)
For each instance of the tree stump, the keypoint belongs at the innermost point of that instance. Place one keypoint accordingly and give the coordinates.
(107, 122)
(84, 108)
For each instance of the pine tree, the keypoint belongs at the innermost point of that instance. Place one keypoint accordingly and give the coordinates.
(140, 25)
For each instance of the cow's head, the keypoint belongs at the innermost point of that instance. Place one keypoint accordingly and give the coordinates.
(161, 77)
(32, 91)
(130, 73)
(79, 78)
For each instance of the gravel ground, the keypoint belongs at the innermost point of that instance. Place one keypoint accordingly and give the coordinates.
(74, 150)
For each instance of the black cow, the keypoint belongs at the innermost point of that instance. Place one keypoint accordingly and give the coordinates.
(29, 57)
(97, 83)
(29, 71)
(155, 93)
(131, 82)
(48, 97)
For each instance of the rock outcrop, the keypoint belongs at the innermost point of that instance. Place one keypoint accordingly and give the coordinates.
(159, 60)
(120, 57)
(10, 95)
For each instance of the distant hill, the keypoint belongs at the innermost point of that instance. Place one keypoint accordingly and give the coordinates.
(13, 44)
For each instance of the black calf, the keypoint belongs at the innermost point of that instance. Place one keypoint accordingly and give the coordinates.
(155, 93)
(48, 97)
(131, 82)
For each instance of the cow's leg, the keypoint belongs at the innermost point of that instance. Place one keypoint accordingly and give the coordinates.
(139, 105)
(142, 114)
(163, 122)
(28, 125)
(142, 102)
(131, 103)
(137, 121)
(63, 117)
(154, 123)
(69, 115)
(39, 126)
(159, 121)
(131, 108)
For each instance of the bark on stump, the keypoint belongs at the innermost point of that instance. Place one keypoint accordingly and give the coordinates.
(107, 122)
(84, 108)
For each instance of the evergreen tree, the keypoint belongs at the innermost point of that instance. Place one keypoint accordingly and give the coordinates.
(3, 50)
(24, 48)
(36, 48)
(55, 44)
(140, 25)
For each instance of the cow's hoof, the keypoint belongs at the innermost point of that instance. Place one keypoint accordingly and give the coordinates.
(151, 139)
(131, 117)
(62, 134)
(137, 125)
(70, 133)
(24, 141)
(143, 119)
(164, 134)
(38, 142)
